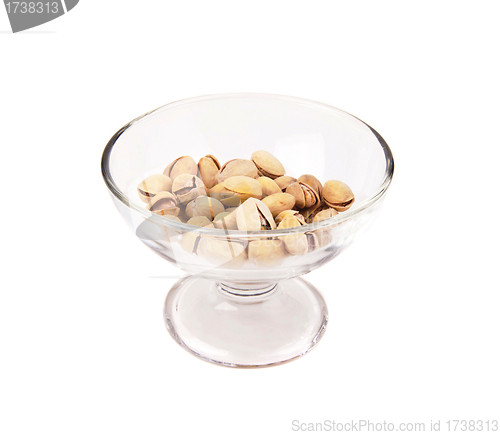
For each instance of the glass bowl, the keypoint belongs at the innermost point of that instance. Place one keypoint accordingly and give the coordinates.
(232, 310)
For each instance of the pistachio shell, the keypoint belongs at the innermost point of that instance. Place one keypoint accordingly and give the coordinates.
(312, 182)
(325, 214)
(237, 167)
(286, 213)
(243, 187)
(226, 221)
(189, 241)
(267, 252)
(279, 202)
(181, 165)
(164, 203)
(295, 244)
(204, 206)
(312, 241)
(209, 168)
(296, 191)
(284, 181)
(199, 221)
(338, 195)
(222, 252)
(269, 187)
(267, 164)
(152, 185)
(254, 215)
(187, 187)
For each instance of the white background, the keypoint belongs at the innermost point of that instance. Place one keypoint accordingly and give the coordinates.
(414, 304)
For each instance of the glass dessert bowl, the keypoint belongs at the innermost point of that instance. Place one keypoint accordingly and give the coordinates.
(243, 302)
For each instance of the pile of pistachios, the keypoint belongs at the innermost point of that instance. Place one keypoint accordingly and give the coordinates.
(246, 195)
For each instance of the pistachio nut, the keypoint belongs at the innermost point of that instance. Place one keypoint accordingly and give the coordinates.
(304, 195)
(325, 214)
(267, 252)
(338, 195)
(295, 244)
(279, 202)
(286, 213)
(209, 168)
(226, 221)
(187, 187)
(312, 182)
(267, 164)
(237, 167)
(199, 221)
(226, 197)
(269, 187)
(310, 212)
(152, 185)
(204, 206)
(254, 215)
(189, 241)
(243, 187)
(222, 251)
(182, 165)
(163, 203)
(284, 181)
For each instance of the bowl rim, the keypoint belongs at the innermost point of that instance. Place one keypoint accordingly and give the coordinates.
(161, 220)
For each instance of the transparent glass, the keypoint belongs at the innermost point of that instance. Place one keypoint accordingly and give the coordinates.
(231, 310)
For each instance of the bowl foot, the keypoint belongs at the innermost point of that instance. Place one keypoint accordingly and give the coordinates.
(245, 326)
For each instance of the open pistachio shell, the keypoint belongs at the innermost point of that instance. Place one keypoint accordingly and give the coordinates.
(269, 187)
(209, 168)
(204, 206)
(312, 182)
(279, 202)
(222, 251)
(188, 187)
(284, 181)
(267, 252)
(254, 215)
(243, 187)
(267, 164)
(325, 214)
(181, 165)
(237, 167)
(164, 203)
(338, 195)
(286, 213)
(295, 244)
(226, 221)
(304, 195)
(152, 185)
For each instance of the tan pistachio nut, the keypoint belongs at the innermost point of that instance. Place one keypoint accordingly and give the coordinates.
(286, 213)
(269, 187)
(240, 186)
(310, 212)
(254, 215)
(312, 182)
(204, 206)
(312, 241)
(199, 221)
(188, 187)
(226, 197)
(163, 203)
(267, 164)
(324, 235)
(237, 167)
(181, 165)
(325, 214)
(226, 221)
(222, 251)
(267, 252)
(305, 196)
(209, 168)
(295, 244)
(152, 185)
(279, 202)
(190, 240)
(338, 195)
(284, 181)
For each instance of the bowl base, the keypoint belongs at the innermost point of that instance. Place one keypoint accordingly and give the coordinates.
(245, 326)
